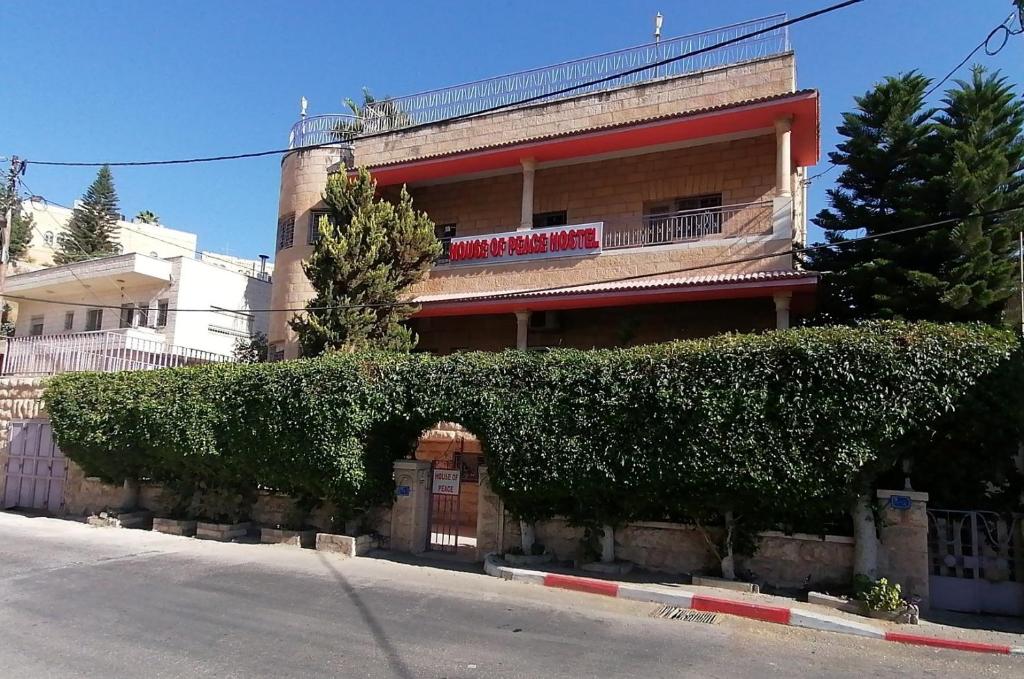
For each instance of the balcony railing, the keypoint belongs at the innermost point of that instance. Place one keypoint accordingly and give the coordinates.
(101, 351)
(687, 226)
(544, 84)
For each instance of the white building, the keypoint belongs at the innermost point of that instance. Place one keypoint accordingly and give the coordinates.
(51, 221)
(131, 311)
(250, 267)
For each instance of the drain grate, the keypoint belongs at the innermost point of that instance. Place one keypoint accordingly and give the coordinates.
(684, 614)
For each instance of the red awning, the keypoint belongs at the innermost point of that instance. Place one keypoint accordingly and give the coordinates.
(649, 290)
(746, 116)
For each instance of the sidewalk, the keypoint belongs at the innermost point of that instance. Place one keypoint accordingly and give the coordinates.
(946, 630)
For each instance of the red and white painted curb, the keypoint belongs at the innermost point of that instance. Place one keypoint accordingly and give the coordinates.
(794, 617)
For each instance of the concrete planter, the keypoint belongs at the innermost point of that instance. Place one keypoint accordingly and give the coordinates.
(890, 616)
(175, 527)
(608, 567)
(222, 532)
(344, 544)
(722, 583)
(141, 520)
(297, 538)
(519, 560)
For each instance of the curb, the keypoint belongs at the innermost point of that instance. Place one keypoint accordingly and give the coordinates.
(793, 617)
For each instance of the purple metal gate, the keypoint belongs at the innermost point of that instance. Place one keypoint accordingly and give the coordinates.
(444, 506)
(36, 468)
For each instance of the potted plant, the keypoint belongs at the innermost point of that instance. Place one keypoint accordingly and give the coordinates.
(883, 600)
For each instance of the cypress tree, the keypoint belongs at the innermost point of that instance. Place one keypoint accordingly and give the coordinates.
(90, 231)
(368, 252)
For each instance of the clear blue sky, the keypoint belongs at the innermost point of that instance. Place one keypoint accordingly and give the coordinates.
(126, 80)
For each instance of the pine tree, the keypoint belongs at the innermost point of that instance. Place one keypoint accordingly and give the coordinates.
(906, 165)
(90, 231)
(22, 226)
(369, 251)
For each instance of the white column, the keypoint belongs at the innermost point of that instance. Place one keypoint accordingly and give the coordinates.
(782, 301)
(783, 153)
(526, 216)
(522, 328)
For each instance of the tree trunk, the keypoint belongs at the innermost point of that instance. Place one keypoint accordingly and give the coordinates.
(865, 548)
(352, 527)
(729, 560)
(527, 536)
(607, 544)
(129, 495)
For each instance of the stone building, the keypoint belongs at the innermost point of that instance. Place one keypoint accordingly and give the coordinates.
(652, 206)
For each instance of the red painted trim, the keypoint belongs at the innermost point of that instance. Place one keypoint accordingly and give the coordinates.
(976, 646)
(742, 609)
(607, 298)
(802, 108)
(589, 585)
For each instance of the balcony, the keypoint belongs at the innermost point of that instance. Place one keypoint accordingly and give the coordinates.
(100, 351)
(547, 84)
(689, 226)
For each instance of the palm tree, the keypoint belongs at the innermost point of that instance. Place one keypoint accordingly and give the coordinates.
(147, 217)
(373, 115)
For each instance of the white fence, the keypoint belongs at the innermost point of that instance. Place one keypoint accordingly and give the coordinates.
(101, 351)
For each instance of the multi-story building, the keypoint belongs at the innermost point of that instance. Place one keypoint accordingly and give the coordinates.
(131, 311)
(659, 204)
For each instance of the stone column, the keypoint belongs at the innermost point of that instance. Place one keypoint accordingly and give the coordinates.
(522, 328)
(783, 156)
(903, 557)
(782, 301)
(410, 515)
(526, 216)
(490, 512)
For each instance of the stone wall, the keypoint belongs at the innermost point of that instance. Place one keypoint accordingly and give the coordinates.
(795, 561)
(20, 399)
(715, 87)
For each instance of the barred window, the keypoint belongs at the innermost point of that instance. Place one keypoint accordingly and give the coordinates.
(314, 224)
(444, 233)
(286, 231)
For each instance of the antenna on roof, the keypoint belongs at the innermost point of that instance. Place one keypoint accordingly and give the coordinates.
(658, 21)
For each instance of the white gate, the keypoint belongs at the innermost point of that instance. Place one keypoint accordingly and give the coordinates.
(36, 468)
(977, 562)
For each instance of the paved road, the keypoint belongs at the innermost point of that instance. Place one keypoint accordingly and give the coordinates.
(77, 601)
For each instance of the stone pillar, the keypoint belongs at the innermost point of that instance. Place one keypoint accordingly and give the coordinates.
(490, 514)
(410, 515)
(903, 557)
(782, 301)
(522, 329)
(526, 216)
(783, 157)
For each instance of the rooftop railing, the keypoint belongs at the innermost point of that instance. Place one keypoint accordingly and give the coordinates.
(546, 84)
(100, 351)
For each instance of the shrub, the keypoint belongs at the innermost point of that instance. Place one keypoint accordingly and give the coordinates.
(770, 427)
(883, 596)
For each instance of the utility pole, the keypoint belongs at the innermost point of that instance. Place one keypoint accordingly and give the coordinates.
(5, 251)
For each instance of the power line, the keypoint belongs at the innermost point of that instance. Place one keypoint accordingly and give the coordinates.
(557, 288)
(1003, 30)
(491, 109)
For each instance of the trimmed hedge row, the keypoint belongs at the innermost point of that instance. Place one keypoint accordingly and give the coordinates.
(775, 426)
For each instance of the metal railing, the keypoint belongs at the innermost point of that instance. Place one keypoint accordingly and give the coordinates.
(99, 351)
(506, 90)
(693, 225)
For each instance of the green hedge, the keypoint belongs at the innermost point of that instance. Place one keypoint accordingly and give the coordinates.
(774, 426)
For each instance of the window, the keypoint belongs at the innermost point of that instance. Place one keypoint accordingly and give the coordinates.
(444, 233)
(48, 239)
(276, 352)
(36, 326)
(144, 316)
(93, 319)
(161, 313)
(286, 231)
(314, 224)
(545, 219)
(228, 322)
(127, 316)
(684, 219)
(69, 320)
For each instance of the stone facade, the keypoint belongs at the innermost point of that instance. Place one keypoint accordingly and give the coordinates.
(798, 560)
(903, 557)
(715, 87)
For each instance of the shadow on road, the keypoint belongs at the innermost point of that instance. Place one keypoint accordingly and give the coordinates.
(398, 666)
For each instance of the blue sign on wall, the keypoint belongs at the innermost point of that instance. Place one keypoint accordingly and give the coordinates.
(899, 502)
(404, 490)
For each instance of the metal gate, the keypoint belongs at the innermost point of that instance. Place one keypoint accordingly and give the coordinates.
(976, 561)
(444, 506)
(36, 468)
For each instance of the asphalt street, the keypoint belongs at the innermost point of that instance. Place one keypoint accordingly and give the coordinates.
(77, 601)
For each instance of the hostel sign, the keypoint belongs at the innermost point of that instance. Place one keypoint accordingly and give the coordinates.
(517, 246)
(446, 482)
